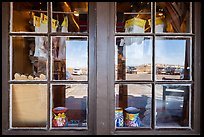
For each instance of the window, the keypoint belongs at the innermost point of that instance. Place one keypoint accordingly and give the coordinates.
(156, 39)
(49, 66)
(101, 68)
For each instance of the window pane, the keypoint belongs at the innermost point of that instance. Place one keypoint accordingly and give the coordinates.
(133, 105)
(133, 58)
(29, 17)
(70, 99)
(29, 105)
(70, 58)
(70, 16)
(172, 105)
(29, 58)
(173, 17)
(172, 58)
(132, 17)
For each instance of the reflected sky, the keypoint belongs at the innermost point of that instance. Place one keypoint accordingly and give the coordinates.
(166, 52)
(76, 54)
(170, 52)
(137, 54)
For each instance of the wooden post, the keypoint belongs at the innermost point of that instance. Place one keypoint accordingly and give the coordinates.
(123, 95)
(59, 90)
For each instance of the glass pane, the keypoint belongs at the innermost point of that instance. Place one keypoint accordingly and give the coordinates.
(133, 105)
(133, 58)
(173, 17)
(70, 16)
(69, 105)
(29, 58)
(29, 17)
(132, 17)
(172, 58)
(70, 58)
(172, 105)
(29, 105)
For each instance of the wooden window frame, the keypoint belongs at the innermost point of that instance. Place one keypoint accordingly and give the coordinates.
(90, 82)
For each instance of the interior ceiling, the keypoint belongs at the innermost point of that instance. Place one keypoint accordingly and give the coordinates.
(130, 6)
(121, 6)
(79, 6)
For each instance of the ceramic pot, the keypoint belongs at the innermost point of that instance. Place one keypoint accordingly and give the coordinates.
(132, 117)
(119, 117)
(59, 117)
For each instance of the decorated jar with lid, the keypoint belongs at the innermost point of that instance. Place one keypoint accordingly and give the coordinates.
(59, 117)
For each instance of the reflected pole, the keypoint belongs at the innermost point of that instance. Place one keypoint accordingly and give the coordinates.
(123, 95)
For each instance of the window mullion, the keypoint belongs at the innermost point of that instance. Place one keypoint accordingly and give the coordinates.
(153, 15)
(49, 7)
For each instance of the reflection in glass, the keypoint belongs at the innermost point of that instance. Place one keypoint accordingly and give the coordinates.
(173, 17)
(70, 58)
(29, 105)
(71, 102)
(172, 58)
(29, 17)
(132, 17)
(172, 105)
(29, 58)
(133, 58)
(133, 105)
(70, 16)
